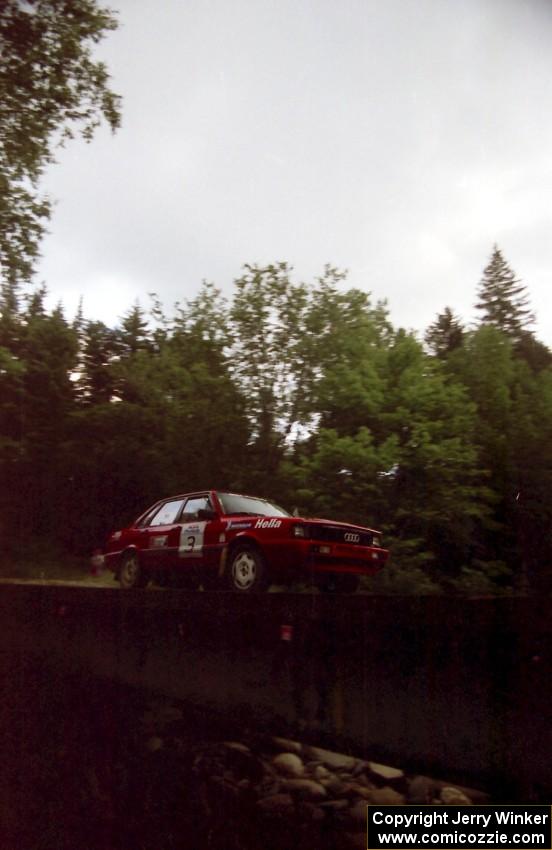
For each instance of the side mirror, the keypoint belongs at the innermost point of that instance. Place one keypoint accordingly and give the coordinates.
(206, 514)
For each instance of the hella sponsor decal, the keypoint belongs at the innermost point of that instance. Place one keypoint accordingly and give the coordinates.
(352, 538)
(268, 523)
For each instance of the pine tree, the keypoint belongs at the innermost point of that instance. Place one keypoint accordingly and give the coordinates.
(445, 334)
(134, 333)
(503, 299)
(99, 346)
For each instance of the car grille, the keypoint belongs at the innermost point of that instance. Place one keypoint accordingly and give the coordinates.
(338, 534)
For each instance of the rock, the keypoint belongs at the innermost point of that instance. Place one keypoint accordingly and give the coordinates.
(386, 796)
(288, 746)
(335, 761)
(421, 790)
(362, 780)
(385, 773)
(240, 760)
(307, 789)
(454, 797)
(361, 767)
(335, 786)
(277, 804)
(268, 768)
(236, 746)
(268, 787)
(289, 764)
(311, 812)
(478, 798)
(335, 805)
(321, 772)
(354, 789)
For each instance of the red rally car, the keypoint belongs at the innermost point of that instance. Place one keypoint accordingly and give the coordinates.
(241, 543)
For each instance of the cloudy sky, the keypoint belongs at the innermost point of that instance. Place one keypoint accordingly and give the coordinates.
(399, 140)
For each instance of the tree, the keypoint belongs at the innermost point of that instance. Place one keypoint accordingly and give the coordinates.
(437, 495)
(535, 353)
(445, 334)
(270, 359)
(486, 365)
(503, 299)
(159, 413)
(134, 333)
(394, 449)
(37, 396)
(49, 86)
(291, 343)
(96, 379)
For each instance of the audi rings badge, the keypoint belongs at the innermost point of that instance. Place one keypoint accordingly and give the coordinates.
(352, 538)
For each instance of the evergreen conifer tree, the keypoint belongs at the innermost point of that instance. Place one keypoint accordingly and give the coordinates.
(445, 334)
(503, 299)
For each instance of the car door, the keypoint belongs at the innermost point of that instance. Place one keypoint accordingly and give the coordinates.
(162, 535)
(193, 532)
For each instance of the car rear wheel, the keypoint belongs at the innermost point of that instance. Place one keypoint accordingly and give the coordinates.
(131, 573)
(246, 571)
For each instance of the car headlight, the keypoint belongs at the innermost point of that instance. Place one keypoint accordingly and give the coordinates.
(376, 541)
(300, 531)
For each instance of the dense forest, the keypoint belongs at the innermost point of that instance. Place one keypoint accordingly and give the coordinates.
(301, 392)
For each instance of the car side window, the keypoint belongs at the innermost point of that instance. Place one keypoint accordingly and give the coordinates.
(145, 521)
(194, 505)
(167, 513)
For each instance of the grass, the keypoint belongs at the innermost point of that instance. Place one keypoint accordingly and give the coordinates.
(46, 564)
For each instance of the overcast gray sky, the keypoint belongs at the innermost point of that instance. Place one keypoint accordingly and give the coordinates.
(393, 138)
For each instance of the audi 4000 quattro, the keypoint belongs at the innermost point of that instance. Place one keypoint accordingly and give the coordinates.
(241, 543)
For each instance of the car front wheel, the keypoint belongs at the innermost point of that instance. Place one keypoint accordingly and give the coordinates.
(246, 571)
(131, 573)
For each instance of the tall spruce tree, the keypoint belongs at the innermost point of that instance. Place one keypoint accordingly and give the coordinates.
(503, 300)
(445, 334)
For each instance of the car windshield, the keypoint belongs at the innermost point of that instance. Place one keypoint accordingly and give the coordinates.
(248, 506)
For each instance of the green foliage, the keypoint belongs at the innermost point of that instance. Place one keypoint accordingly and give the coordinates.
(49, 86)
(403, 577)
(338, 475)
(481, 579)
(301, 392)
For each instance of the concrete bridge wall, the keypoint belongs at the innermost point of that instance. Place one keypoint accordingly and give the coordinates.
(461, 687)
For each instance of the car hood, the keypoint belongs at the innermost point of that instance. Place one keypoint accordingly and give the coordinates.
(336, 523)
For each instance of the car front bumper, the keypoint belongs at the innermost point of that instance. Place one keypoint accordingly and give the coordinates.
(321, 557)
